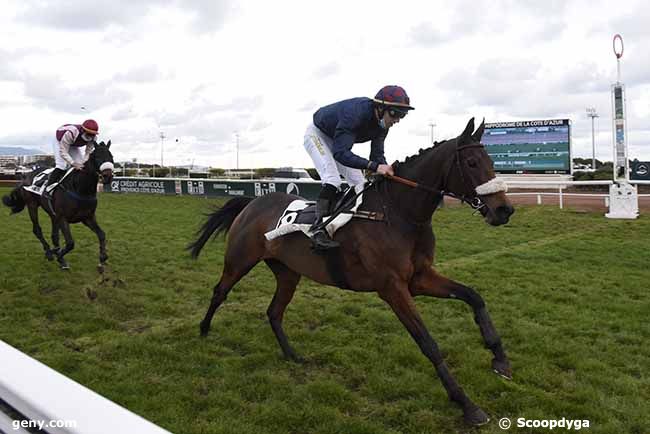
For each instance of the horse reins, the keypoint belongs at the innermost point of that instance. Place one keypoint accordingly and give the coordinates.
(474, 201)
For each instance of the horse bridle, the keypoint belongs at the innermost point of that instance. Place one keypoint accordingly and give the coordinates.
(472, 200)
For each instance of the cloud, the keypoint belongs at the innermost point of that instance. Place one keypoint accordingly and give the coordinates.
(523, 87)
(50, 92)
(8, 61)
(543, 21)
(259, 125)
(82, 15)
(424, 34)
(141, 74)
(123, 113)
(309, 106)
(41, 139)
(241, 107)
(243, 103)
(327, 70)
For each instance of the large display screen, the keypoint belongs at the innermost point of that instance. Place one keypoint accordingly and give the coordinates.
(542, 146)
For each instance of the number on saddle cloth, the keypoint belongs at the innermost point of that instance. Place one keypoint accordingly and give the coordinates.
(40, 178)
(300, 212)
(300, 215)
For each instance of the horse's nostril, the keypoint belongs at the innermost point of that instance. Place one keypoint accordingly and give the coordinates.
(505, 210)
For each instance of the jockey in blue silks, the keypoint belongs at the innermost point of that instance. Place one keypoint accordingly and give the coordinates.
(332, 134)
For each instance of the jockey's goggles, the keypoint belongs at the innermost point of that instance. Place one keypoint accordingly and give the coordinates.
(397, 114)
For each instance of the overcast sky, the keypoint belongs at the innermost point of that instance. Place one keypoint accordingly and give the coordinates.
(202, 70)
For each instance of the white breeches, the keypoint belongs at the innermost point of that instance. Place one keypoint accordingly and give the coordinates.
(318, 146)
(77, 154)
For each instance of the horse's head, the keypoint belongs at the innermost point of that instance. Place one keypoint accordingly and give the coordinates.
(470, 176)
(102, 160)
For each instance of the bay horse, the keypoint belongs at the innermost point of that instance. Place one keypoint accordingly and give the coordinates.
(73, 201)
(393, 257)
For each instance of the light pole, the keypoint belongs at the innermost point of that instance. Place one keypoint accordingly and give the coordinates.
(237, 136)
(432, 125)
(162, 146)
(591, 112)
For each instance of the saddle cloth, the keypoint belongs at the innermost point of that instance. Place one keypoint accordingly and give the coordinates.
(39, 181)
(300, 214)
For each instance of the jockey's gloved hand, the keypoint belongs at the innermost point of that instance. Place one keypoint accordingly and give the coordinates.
(385, 169)
(78, 166)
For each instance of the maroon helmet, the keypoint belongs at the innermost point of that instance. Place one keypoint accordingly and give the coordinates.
(394, 97)
(90, 126)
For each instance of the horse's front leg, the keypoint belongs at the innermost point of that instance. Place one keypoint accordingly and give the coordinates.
(69, 243)
(401, 301)
(91, 223)
(428, 282)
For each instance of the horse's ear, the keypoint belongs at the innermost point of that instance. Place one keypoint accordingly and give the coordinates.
(468, 132)
(108, 144)
(479, 132)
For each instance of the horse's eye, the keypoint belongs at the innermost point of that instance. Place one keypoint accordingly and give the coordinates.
(471, 162)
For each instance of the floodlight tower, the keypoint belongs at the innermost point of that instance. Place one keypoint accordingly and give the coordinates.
(591, 112)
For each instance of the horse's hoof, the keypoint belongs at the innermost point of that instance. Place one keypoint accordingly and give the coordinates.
(65, 267)
(502, 368)
(476, 417)
(295, 359)
(100, 268)
(49, 255)
(204, 330)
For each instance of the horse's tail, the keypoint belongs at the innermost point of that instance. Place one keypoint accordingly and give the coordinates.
(218, 221)
(14, 200)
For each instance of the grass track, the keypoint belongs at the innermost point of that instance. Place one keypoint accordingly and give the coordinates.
(567, 291)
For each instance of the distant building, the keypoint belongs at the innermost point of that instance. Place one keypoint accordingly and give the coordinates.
(293, 173)
(239, 173)
(28, 159)
(6, 160)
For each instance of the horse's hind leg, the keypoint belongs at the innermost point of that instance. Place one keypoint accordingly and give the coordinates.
(287, 280)
(431, 283)
(38, 232)
(91, 223)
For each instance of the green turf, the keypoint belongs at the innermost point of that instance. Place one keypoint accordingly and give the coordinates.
(567, 291)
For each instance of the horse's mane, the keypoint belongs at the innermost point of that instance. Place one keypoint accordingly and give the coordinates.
(421, 153)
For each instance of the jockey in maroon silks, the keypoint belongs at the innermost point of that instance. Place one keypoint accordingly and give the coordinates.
(71, 140)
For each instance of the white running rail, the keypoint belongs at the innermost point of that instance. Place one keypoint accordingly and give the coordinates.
(42, 394)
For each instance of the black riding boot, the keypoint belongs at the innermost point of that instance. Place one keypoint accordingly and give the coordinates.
(320, 240)
(55, 176)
